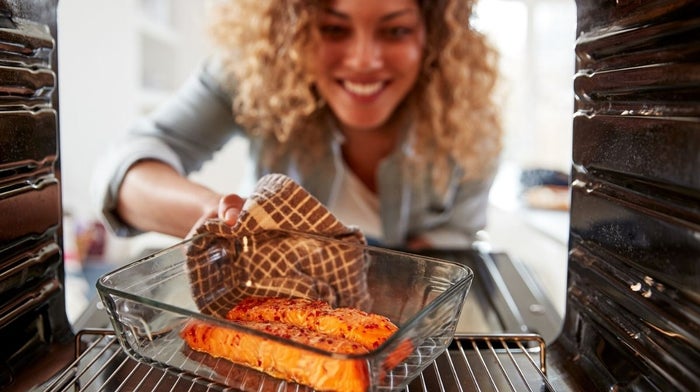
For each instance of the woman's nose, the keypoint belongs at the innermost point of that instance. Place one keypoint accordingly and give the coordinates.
(364, 53)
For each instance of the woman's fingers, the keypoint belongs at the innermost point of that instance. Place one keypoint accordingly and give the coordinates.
(230, 207)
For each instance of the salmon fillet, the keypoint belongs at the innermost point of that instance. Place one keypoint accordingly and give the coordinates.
(283, 361)
(309, 322)
(368, 329)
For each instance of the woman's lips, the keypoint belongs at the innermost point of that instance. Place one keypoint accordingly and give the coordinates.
(363, 89)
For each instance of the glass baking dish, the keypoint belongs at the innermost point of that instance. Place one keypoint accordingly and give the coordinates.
(150, 300)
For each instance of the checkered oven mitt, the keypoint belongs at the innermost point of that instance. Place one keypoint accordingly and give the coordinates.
(252, 259)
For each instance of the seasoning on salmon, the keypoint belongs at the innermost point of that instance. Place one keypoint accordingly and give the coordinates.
(368, 329)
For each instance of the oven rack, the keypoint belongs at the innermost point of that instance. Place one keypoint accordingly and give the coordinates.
(491, 362)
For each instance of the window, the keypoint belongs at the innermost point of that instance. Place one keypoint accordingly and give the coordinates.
(536, 41)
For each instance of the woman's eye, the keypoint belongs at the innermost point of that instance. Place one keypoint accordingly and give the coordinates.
(334, 31)
(397, 32)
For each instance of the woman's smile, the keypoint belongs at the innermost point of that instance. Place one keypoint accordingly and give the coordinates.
(363, 89)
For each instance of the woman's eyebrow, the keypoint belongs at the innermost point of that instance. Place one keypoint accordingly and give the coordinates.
(392, 15)
(398, 13)
(337, 14)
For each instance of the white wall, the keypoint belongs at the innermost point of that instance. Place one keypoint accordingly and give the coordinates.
(101, 65)
(99, 75)
(96, 68)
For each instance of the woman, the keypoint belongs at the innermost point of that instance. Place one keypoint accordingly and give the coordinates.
(381, 109)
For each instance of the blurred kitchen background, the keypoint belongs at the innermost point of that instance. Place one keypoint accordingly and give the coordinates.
(119, 59)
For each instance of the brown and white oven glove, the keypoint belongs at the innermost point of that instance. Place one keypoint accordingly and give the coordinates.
(254, 258)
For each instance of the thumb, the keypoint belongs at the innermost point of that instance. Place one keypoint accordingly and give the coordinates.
(229, 208)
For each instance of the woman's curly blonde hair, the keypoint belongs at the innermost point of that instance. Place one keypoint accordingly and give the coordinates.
(266, 43)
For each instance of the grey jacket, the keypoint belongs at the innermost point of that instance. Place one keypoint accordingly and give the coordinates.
(197, 122)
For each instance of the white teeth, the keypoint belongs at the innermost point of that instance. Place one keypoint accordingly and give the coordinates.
(362, 88)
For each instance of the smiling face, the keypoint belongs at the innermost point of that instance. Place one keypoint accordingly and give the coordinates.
(367, 59)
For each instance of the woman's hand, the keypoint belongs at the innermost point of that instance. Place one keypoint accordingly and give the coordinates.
(228, 209)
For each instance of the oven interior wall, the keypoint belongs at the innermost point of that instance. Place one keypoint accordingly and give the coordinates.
(633, 302)
(32, 300)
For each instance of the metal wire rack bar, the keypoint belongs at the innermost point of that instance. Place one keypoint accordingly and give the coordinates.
(472, 363)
